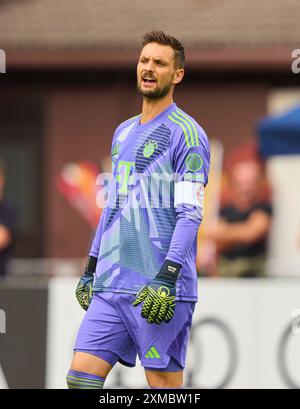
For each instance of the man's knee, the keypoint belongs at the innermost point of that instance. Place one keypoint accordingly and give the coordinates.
(85, 362)
(87, 371)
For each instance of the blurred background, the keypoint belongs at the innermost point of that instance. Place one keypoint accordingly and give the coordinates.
(67, 79)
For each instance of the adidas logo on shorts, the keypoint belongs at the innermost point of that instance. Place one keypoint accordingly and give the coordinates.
(152, 353)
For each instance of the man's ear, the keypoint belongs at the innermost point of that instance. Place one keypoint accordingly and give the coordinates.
(179, 74)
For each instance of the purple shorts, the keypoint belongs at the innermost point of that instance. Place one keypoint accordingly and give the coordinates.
(115, 331)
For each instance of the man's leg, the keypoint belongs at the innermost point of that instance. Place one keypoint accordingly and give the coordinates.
(158, 379)
(85, 362)
(87, 371)
(163, 348)
(169, 377)
(101, 332)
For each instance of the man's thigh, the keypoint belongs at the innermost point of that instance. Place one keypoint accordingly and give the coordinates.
(103, 334)
(91, 364)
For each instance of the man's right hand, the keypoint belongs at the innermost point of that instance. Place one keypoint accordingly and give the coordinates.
(84, 289)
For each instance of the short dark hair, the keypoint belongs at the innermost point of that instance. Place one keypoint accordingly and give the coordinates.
(164, 39)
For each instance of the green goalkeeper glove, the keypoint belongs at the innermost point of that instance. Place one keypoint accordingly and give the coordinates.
(158, 296)
(84, 289)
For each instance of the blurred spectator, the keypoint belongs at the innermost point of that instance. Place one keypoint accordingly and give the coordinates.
(241, 232)
(7, 224)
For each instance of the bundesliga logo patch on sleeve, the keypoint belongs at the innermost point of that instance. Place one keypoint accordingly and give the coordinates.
(194, 162)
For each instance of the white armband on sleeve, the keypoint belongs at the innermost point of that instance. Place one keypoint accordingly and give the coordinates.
(191, 193)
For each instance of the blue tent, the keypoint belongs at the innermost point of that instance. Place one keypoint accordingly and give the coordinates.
(280, 135)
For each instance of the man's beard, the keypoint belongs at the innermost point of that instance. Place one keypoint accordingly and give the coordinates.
(155, 93)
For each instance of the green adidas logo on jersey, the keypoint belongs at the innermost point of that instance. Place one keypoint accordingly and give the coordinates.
(152, 353)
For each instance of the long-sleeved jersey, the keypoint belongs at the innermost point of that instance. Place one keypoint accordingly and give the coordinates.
(154, 203)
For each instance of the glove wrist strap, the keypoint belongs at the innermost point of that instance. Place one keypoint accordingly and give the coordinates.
(90, 266)
(169, 272)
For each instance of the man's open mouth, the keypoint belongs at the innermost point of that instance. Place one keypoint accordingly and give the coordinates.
(148, 80)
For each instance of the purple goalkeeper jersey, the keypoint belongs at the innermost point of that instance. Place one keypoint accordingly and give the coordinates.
(154, 203)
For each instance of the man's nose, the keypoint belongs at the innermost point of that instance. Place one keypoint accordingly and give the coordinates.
(149, 66)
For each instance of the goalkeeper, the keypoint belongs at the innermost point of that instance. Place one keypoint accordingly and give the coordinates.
(140, 283)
